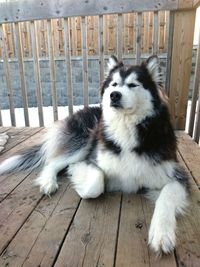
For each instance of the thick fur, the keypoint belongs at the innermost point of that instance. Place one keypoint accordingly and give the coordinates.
(127, 144)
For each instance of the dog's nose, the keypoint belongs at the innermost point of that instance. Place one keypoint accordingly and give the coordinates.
(115, 96)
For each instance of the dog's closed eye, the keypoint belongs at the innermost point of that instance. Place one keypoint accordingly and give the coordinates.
(131, 85)
(114, 84)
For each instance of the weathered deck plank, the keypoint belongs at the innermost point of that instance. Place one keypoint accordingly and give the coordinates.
(132, 234)
(188, 236)
(66, 231)
(45, 249)
(4, 129)
(32, 246)
(190, 153)
(16, 208)
(135, 220)
(92, 238)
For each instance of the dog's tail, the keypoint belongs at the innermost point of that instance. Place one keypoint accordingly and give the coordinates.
(30, 159)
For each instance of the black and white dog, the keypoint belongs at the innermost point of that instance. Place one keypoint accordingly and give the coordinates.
(126, 145)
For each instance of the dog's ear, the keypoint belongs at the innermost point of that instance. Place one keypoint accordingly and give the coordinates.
(112, 63)
(152, 65)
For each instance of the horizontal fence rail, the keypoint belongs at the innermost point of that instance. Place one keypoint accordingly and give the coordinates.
(23, 10)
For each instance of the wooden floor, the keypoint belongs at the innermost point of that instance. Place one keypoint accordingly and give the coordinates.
(66, 231)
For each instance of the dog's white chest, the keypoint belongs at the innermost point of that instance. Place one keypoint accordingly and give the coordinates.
(128, 172)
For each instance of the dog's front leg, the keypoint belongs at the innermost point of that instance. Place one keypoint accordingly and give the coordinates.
(47, 181)
(171, 201)
(87, 179)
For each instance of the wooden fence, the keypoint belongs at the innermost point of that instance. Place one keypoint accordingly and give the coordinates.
(92, 24)
(96, 31)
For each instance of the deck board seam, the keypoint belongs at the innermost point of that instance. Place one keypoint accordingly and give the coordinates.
(145, 222)
(67, 231)
(176, 257)
(117, 233)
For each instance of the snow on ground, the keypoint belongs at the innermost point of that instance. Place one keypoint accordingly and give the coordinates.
(188, 115)
(33, 115)
(48, 115)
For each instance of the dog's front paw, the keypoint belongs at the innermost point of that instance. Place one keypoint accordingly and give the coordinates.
(162, 238)
(47, 186)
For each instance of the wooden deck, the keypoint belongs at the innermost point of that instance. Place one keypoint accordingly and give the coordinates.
(66, 231)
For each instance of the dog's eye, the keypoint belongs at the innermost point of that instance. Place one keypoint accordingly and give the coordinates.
(114, 84)
(132, 85)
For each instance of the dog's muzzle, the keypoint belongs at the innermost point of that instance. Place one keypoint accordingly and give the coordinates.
(115, 98)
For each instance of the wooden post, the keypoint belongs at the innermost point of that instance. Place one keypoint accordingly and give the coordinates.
(182, 45)
(85, 62)
(52, 70)
(101, 49)
(7, 74)
(35, 51)
(195, 90)
(138, 38)
(169, 51)
(155, 33)
(68, 65)
(119, 36)
(197, 123)
(22, 72)
(1, 123)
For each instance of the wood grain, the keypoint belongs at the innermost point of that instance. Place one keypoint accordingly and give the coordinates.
(188, 232)
(68, 65)
(52, 70)
(35, 49)
(47, 9)
(181, 66)
(22, 72)
(7, 74)
(93, 234)
(190, 152)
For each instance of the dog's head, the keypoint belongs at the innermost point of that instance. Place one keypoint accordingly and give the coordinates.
(131, 89)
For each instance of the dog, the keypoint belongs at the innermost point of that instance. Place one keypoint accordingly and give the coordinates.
(127, 144)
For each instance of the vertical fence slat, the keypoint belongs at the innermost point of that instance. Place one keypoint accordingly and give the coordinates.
(68, 65)
(22, 72)
(1, 123)
(52, 69)
(119, 36)
(101, 49)
(138, 37)
(166, 30)
(197, 123)
(195, 90)
(34, 43)
(7, 75)
(169, 51)
(85, 62)
(155, 33)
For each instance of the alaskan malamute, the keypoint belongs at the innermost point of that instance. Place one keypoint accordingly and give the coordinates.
(127, 144)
